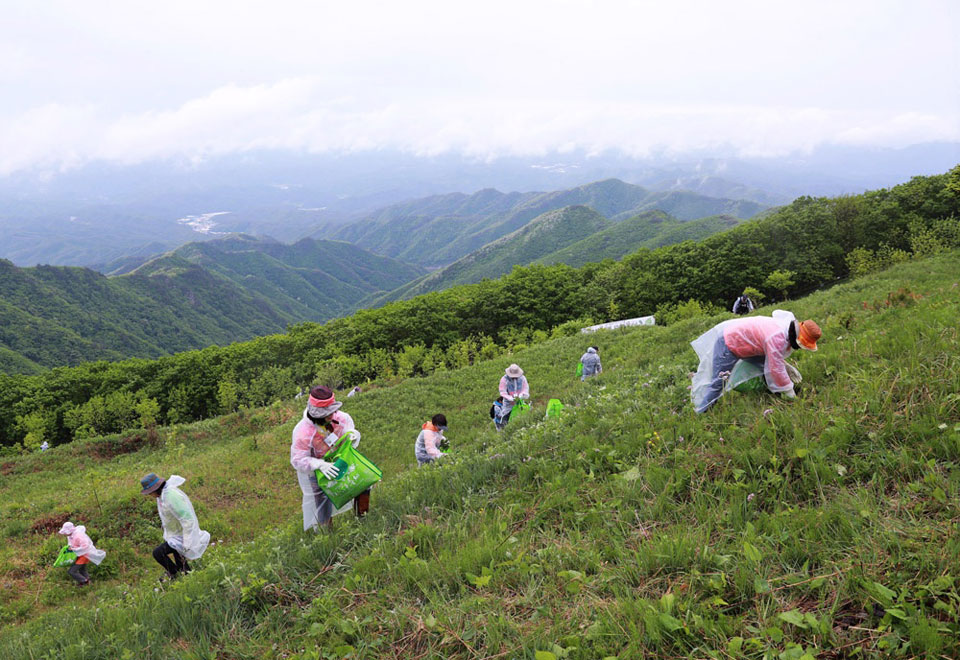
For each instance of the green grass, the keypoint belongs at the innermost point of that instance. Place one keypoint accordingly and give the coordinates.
(827, 527)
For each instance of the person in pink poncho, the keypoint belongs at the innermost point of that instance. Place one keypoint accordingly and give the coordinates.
(770, 338)
(322, 426)
(80, 543)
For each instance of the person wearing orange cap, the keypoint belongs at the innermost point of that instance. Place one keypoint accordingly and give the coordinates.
(771, 337)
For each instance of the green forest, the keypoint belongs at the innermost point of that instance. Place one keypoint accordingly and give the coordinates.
(806, 245)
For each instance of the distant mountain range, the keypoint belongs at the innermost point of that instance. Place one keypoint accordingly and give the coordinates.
(201, 294)
(573, 235)
(99, 212)
(436, 231)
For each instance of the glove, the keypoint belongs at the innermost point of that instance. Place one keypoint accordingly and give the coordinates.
(508, 398)
(329, 470)
(790, 394)
(524, 396)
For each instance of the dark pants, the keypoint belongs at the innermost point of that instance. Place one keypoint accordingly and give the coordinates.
(361, 503)
(79, 573)
(723, 360)
(162, 554)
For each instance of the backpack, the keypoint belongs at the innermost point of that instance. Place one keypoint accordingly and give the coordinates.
(743, 305)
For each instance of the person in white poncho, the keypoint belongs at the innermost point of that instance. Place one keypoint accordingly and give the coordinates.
(183, 539)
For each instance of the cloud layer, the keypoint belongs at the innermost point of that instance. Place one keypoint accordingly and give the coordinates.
(102, 82)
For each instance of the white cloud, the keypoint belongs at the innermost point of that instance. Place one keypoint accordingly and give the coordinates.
(131, 82)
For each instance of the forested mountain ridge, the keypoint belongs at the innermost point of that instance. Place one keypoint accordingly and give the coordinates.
(310, 280)
(651, 229)
(792, 251)
(438, 230)
(60, 315)
(543, 235)
(215, 292)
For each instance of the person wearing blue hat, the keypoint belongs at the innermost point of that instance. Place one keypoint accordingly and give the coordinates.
(183, 539)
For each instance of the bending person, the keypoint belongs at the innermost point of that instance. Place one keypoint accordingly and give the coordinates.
(591, 363)
(430, 440)
(772, 338)
(183, 539)
(81, 545)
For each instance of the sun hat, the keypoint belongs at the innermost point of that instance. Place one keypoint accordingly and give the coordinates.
(322, 402)
(807, 335)
(513, 371)
(68, 528)
(150, 483)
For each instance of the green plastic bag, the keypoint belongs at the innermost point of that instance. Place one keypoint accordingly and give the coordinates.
(520, 407)
(580, 368)
(357, 474)
(554, 408)
(747, 376)
(67, 557)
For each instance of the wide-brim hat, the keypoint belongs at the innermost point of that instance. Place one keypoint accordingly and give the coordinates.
(150, 483)
(322, 402)
(514, 371)
(808, 333)
(68, 528)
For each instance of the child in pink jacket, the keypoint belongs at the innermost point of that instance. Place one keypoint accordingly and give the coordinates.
(80, 543)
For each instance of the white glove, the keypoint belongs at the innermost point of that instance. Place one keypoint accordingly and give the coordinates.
(790, 394)
(508, 398)
(329, 470)
(524, 396)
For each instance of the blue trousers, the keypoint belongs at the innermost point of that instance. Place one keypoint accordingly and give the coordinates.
(723, 360)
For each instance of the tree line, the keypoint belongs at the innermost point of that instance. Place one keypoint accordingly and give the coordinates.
(807, 244)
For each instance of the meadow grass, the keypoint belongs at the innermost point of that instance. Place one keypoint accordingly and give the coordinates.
(630, 527)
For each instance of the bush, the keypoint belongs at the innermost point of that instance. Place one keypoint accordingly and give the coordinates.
(671, 313)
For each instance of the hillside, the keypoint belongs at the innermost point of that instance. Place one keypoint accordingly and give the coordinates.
(651, 229)
(798, 249)
(630, 527)
(543, 235)
(208, 293)
(60, 315)
(436, 231)
(308, 280)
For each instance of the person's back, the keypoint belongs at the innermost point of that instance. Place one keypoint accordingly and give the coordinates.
(591, 363)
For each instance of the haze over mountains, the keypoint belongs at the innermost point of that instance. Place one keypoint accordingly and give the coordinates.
(100, 212)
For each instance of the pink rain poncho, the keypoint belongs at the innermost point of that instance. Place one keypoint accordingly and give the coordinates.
(308, 446)
(752, 337)
(81, 544)
(181, 530)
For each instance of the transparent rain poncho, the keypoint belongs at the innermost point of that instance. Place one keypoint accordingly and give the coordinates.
(757, 337)
(181, 530)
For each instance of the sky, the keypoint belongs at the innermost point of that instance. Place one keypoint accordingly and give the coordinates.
(128, 82)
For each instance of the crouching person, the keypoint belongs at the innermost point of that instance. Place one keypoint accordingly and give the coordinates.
(431, 440)
(322, 426)
(183, 540)
(81, 545)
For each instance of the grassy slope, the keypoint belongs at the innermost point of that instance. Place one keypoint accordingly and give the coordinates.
(626, 528)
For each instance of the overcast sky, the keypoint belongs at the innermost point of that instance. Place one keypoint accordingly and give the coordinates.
(131, 81)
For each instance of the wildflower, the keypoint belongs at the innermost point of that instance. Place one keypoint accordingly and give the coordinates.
(724, 375)
(721, 438)
(767, 411)
(942, 426)
(680, 439)
(751, 496)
